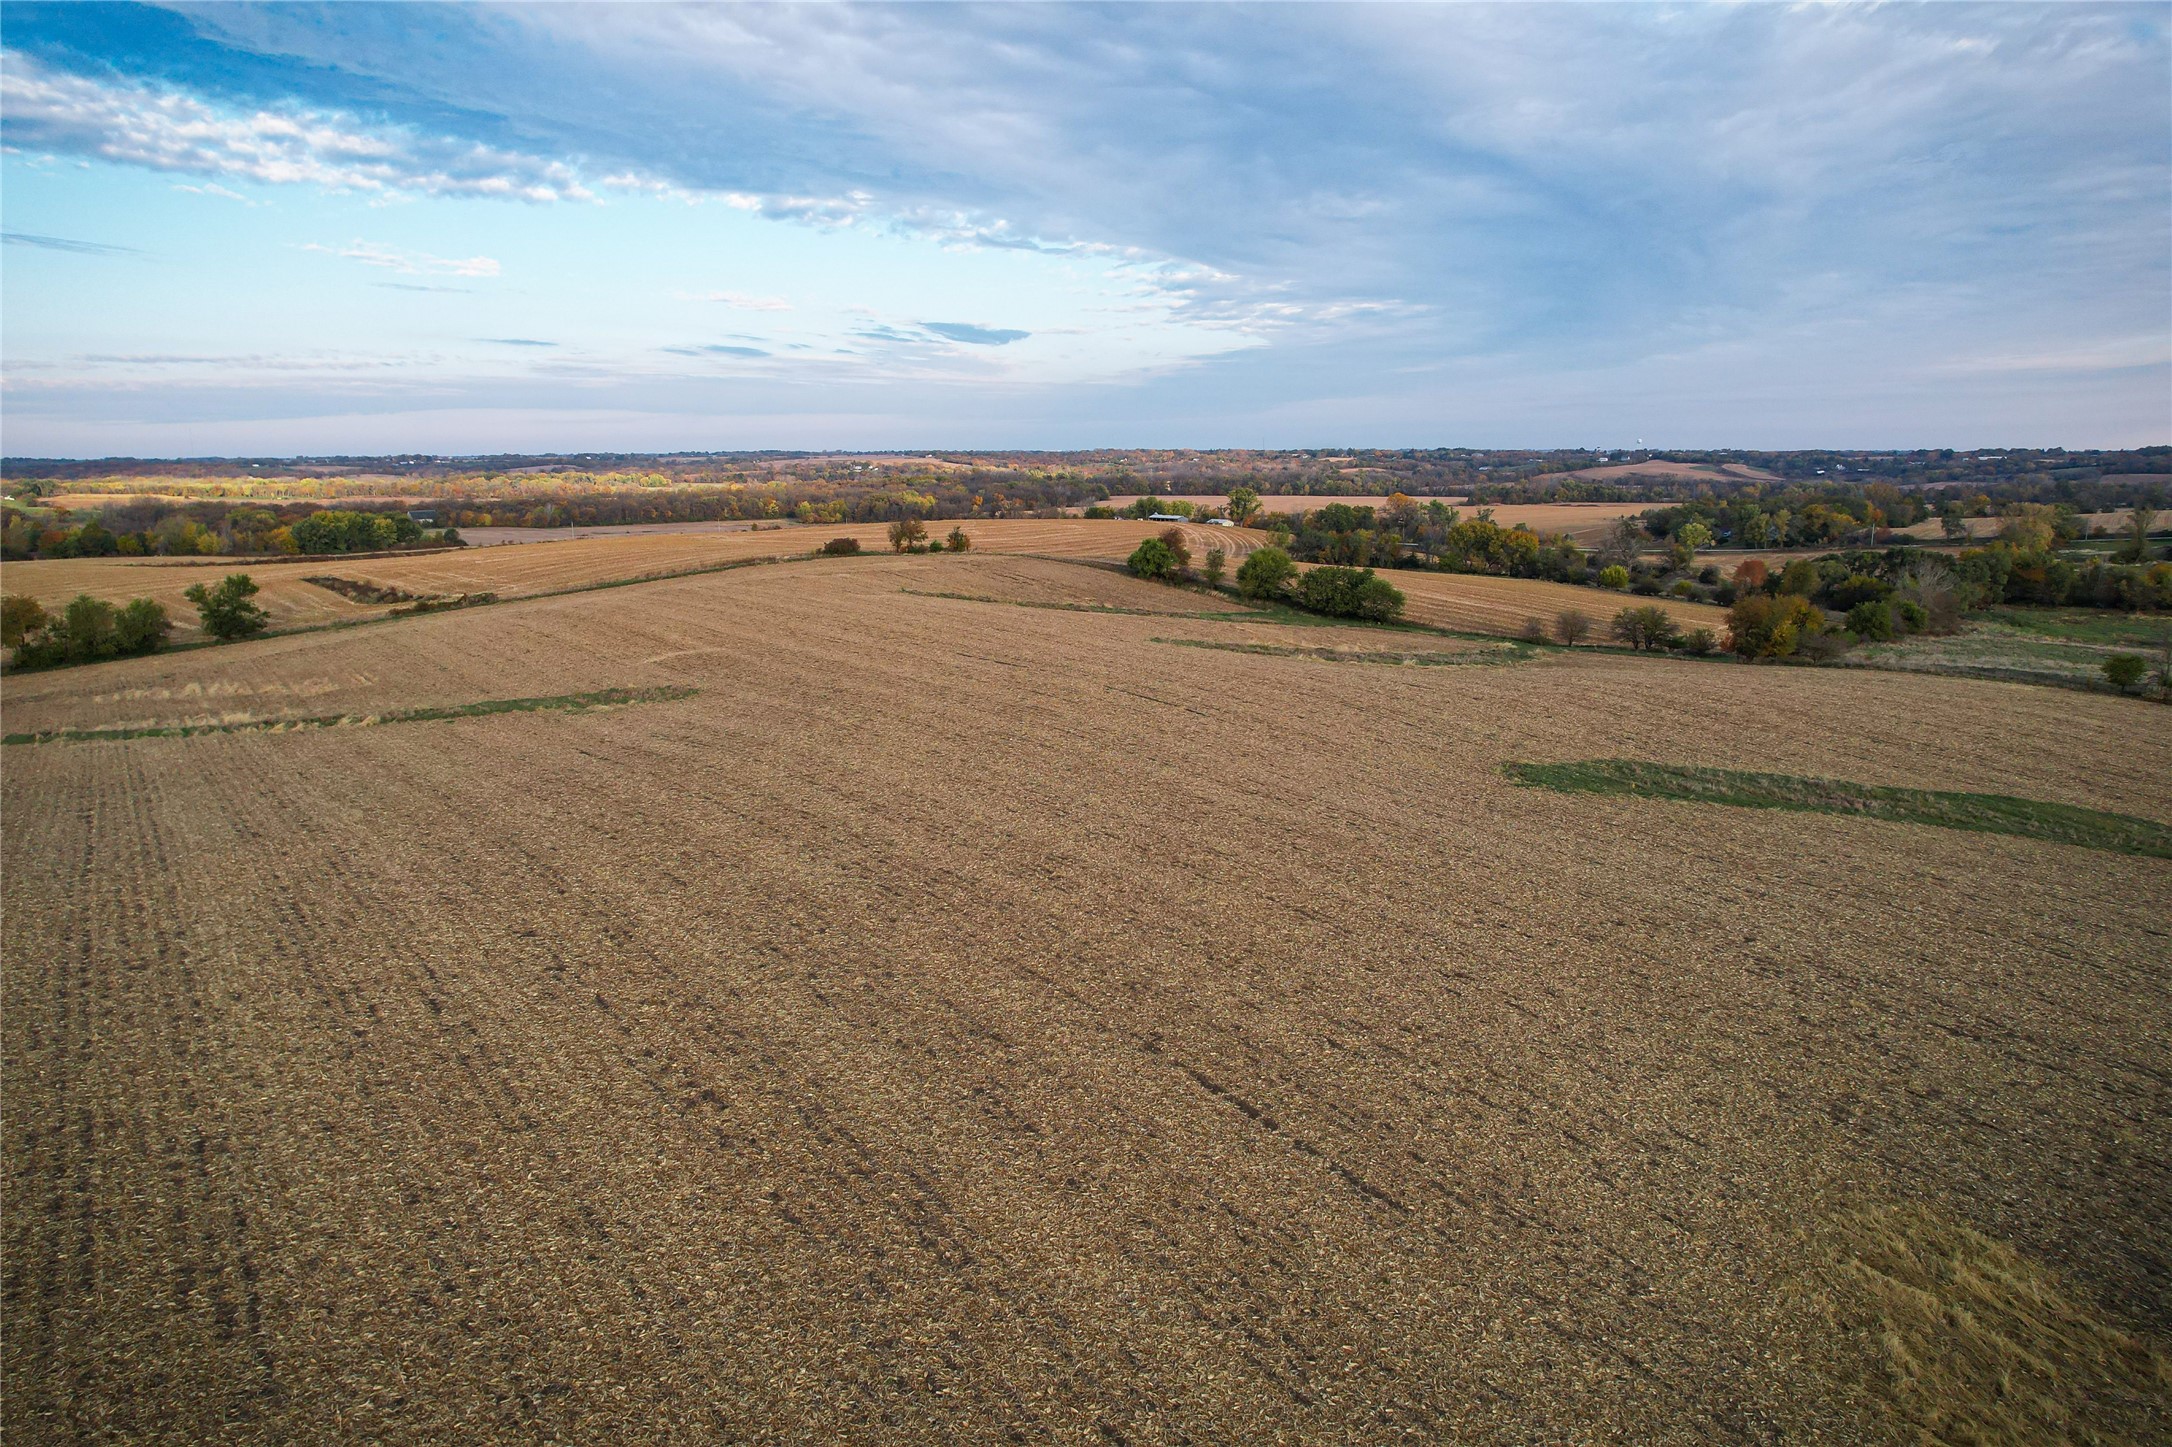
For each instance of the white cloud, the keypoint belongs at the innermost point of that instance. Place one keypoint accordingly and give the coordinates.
(408, 263)
(166, 130)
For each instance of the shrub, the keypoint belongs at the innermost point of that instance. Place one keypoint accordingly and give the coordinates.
(905, 532)
(1152, 559)
(1683, 588)
(1699, 641)
(1265, 573)
(958, 542)
(226, 610)
(1572, 627)
(1909, 616)
(1871, 621)
(2124, 670)
(1217, 564)
(1615, 577)
(1820, 647)
(1858, 588)
(1644, 628)
(1771, 626)
(1349, 593)
(1750, 574)
(1534, 630)
(1799, 578)
(841, 547)
(141, 627)
(1098, 511)
(1646, 587)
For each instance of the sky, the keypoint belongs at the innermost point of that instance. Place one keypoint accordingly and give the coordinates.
(358, 228)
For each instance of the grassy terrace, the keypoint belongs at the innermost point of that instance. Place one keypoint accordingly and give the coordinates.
(1980, 813)
(556, 703)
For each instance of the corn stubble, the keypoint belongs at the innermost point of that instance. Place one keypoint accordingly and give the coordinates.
(971, 1023)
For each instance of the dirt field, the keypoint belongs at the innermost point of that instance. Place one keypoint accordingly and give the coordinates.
(967, 1022)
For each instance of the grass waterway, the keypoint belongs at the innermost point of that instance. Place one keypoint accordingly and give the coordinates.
(1980, 813)
(556, 703)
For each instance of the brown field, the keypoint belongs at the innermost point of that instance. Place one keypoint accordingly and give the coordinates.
(1931, 528)
(962, 1022)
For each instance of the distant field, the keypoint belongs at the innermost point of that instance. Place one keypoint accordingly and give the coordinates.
(1729, 472)
(1585, 521)
(1268, 502)
(792, 1005)
(1933, 529)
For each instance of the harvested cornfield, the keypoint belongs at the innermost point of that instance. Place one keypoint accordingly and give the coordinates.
(547, 567)
(957, 1021)
(1481, 604)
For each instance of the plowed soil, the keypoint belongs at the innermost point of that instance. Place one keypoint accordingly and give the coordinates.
(962, 1022)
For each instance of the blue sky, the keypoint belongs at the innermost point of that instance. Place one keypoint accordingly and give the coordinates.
(376, 228)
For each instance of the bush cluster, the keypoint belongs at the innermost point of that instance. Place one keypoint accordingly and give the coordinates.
(86, 630)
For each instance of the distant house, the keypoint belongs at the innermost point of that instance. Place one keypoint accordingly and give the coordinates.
(424, 515)
(1167, 517)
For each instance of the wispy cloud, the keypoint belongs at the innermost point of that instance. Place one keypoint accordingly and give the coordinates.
(738, 300)
(213, 188)
(716, 349)
(64, 243)
(976, 335)
(408, 263)
(515, 342)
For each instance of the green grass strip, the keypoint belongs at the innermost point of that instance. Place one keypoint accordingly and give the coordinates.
(1499, 653)
(1079, 607)
(1980, 813)
(557, 703)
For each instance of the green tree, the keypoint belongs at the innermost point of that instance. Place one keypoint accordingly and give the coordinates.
(1687, 538)
(2124, 670)
(1644, 628)
(1152, 559)
(339, 530)
(141, 627)
(86, 625)
(1615, 576)
(1243, 506)
(2136, 548)
(1217, 563)
(1265, 573)
(226, 611)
